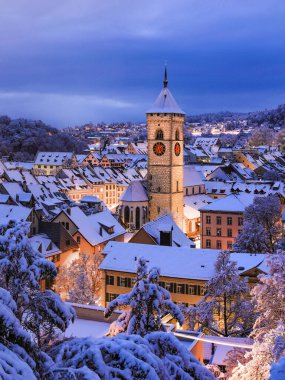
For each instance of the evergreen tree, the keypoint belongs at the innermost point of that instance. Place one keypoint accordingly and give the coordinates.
(29, 317)
(147, 302)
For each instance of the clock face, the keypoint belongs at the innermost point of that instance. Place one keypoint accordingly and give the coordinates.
(177, 149)
(159, 148)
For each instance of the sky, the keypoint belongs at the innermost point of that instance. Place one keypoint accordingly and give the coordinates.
(70, 62)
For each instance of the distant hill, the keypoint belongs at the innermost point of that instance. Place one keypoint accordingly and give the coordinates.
(20, 139)
(274, 118)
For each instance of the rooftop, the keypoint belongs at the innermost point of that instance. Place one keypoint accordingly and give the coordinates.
(178, 262)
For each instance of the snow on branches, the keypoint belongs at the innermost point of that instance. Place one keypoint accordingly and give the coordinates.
(262, 228)
(147, 302)
(156, 356)
(224, 310)
(80, 282)
(269, 295)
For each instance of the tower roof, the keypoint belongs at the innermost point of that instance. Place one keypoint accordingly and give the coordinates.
(165, 102)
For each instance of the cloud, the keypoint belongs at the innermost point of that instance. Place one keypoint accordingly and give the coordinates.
(105, 58)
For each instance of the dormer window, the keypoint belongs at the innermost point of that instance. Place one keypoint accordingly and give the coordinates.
(159, 134)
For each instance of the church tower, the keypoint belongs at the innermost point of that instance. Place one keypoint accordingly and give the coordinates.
(165, 121)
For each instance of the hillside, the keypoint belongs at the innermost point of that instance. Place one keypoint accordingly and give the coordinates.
(20, 139)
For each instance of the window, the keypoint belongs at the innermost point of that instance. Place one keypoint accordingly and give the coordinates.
(240, 220)
(191, 289)
(110, 297)
(67, 242)
(229, 232)
(168, 286)
(78, 239)
(159, 134)
(229, 220)
(219, 244)
(180, 288)
(219, 232)
(124, 281)
(67, 225)
(239, 232)
(229, 245)
(208, 219)
(158, 209)
(109, 280)
(208, 231)
(219, 220)
(208, 243)
(177, 135)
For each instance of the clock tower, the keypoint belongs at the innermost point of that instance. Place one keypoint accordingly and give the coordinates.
(165, 121)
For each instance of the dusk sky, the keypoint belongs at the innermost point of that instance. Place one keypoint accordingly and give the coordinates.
(69, 62)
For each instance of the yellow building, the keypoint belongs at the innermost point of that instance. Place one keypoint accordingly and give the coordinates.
(184, 271)
(50, 163)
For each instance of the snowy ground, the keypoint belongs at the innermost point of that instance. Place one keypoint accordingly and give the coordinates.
(83, 328)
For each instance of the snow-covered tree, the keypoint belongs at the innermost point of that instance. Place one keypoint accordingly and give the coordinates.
(252, 238)
(22, 269)
(262, 136)
(233, 358)
(156, 356)
(269, 295)
(225, 309)
(262, 227)
(80, 282)
(264, 352)
(147, 302)
(13, 336)
(268, 331)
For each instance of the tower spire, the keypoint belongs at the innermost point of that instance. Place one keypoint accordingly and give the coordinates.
(165, 82)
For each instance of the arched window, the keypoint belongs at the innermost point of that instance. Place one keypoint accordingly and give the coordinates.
(159, 134)
(177, 135)
(127, 215)
(138, 218)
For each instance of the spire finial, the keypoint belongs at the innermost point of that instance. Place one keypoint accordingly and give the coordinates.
(165, 82)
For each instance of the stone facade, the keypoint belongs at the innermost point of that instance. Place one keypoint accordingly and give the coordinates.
(165, 172)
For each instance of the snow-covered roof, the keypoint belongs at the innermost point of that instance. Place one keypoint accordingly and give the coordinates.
(18, 213)
(4, 198)
(193, 203)
(52, 158)
(165, 103)
(44, 245)
(90, 199)
(232, 202)
(220, 350)
(166, 223)
(91, 226)
(192, 176)
(135, 192)
(183, 262)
